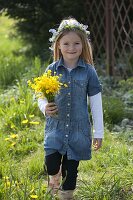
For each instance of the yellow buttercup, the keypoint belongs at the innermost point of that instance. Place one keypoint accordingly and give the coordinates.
(47, 85)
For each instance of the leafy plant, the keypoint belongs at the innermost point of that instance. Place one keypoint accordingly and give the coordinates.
(113, 109)
(126, 85)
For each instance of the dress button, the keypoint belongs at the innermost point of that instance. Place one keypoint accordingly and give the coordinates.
(67, 125)
(67, 115)
(69, 93)
(69, 82)
(68, 104)
(66, 135)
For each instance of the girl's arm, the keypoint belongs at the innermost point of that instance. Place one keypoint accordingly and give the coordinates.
(97, 116)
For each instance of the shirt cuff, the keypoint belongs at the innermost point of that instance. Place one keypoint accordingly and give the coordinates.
(42, 104)
(97, 115)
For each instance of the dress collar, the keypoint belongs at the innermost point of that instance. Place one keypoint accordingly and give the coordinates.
(80, 63)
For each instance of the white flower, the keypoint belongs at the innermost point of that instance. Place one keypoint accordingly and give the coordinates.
(88, 32)
(51, 48)
(85, 27)
(52, 31)
(50, 39)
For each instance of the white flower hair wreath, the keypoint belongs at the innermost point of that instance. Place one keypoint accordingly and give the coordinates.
(71, 24)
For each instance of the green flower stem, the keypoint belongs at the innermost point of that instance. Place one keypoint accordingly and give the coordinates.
(50, 97)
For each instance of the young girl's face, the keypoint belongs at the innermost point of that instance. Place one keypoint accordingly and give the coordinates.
(70, 46)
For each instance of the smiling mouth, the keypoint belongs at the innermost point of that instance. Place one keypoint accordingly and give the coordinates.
(71, 52)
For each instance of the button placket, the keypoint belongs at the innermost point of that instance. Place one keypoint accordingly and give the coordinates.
(69, 98)
(67, 126)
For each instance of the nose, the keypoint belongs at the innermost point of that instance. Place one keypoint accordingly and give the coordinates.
(71, 47)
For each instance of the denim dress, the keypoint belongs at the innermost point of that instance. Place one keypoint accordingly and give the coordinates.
(69, 132)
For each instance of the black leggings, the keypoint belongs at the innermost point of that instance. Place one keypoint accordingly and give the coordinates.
(69, 169)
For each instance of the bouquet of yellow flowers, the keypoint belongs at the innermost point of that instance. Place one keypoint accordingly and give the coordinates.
(47, 85)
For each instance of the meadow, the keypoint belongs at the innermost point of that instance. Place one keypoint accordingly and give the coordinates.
(107, 176)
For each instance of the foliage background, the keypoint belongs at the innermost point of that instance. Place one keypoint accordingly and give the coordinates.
(35, 18)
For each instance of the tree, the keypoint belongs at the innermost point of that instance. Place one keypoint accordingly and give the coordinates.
(36, 17)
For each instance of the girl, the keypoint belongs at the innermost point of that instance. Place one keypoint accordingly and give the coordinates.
(68, 136)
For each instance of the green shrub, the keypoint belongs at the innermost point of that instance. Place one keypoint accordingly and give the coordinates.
(11, 68)
(13, 62)
(113, 109)
(126, 85)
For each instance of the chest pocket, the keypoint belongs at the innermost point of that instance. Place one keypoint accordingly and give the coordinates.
(80, 86)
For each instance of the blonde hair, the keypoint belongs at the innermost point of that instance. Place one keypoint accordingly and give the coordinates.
(86, 50)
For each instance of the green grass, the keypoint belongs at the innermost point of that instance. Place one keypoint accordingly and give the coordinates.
(107, 176)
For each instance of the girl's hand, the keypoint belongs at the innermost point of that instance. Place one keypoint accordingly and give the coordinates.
(97, 143)
(51, 109)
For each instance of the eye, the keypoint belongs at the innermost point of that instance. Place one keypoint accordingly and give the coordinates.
(77, 42)
(66, 43)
